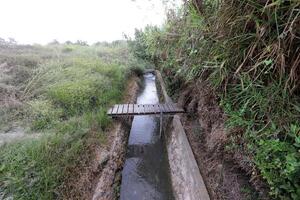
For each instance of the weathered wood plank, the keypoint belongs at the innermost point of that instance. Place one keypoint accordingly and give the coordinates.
(130, 109)
(171, 106)
(125, 110)
(120, 109)
(174, 107)
(136, 109)
(115, 109)
(157, 109)
(144, 109)
(168, 109)
(164, 108)
(151, 108)
(147, 108)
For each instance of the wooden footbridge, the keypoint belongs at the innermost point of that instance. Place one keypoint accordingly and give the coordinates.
(144, 109)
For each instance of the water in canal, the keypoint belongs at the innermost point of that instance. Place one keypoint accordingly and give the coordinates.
(146, 171)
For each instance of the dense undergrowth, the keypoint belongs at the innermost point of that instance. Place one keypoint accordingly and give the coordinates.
(249, 51)
(61, 94)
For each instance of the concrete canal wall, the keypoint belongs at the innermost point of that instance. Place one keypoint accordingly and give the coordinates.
(187, 181)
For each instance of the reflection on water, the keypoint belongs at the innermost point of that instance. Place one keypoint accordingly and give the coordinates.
(146, 172)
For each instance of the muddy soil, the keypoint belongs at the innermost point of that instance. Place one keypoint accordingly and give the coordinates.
(228, 175)
(98, 174)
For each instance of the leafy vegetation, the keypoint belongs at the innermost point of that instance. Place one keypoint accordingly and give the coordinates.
(62, 98)
(249, 52)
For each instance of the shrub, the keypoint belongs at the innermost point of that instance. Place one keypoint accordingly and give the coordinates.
(42, 114)
(279, 163)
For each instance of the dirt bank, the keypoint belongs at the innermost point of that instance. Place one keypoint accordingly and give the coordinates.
(98, 175)
(227, 175)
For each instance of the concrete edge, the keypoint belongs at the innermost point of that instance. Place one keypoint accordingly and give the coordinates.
(187, 181)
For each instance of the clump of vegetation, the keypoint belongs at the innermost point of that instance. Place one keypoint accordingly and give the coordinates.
(62, 99)
(249, 52)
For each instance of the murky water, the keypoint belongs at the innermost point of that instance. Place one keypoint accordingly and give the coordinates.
(146, 171)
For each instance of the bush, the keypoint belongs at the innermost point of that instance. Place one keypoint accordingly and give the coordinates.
(43, 114)
(279, 163)
(74, 97)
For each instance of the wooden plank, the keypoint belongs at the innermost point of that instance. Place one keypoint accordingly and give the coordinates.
(172, 107)
(120, 109)
(115, 109)
(149, 108)
(125, 109)
(168, 109)
(136, 109)
(157, 109)
(164, 108)
(144, 109)
(153, 109)
(130, 109)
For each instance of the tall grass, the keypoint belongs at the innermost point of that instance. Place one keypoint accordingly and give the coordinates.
(249, 52)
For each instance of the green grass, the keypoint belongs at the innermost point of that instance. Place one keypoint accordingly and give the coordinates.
(64, 99)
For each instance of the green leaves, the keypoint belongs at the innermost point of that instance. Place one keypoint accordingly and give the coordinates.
(279, 163)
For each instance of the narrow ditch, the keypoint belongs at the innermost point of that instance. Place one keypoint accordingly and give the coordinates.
(146, 173)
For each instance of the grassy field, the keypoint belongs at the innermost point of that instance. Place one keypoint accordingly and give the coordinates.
(58, 94)
(248, 52)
